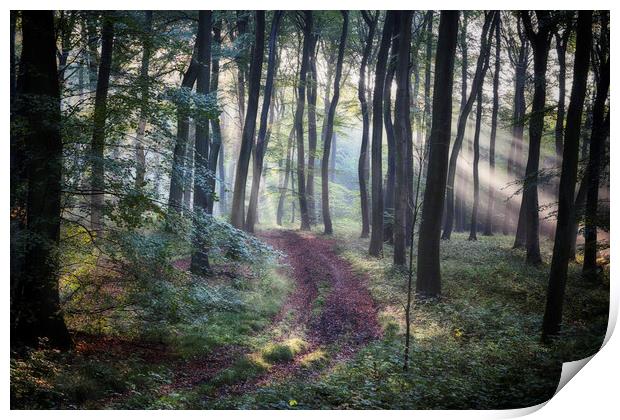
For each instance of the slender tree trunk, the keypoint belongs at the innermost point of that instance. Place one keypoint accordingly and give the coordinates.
(570, 157)
(144, 92)
(376, 237)
(35, 308)
(473, 228)
(287, 169)
(99, 121)
(488, 224)
(388, 227)
(249, 128)
(540, 43)
(362, 165)
(481, 67)
(312, 134)
(216, 142)
(329, 129)
(459, 183)
(299, 124)
(428, 280)
(402, 135)
(200, 258)
(600, 130)
(263, 140)
(561, 42)
(427, 86)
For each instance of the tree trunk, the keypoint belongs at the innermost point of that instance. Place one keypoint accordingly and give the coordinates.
(402, 135)
(600, 130)
(35, 308)
(312, 135)
(200, 259)
(99, 121)
(459, 187)
(473, 228)
(284, 186)
(570, 157)
(427, 86)
(263, 139)
(488, 224)
(540, 43)
(428, 281)
(249, 128)
(144, 92)
(376, 237)
(299, 116)
(216, 142)
(481, 66)
(362, 164)
(329, 128)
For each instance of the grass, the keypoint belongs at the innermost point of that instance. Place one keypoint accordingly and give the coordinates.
(477, 347)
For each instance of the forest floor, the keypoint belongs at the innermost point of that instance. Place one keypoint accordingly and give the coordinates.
(324, 328)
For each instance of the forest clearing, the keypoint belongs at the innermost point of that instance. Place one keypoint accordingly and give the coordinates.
(306, 209)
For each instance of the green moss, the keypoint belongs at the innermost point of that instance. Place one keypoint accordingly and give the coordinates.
(285, 351)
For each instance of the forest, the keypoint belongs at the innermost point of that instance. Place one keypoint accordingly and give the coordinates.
(306, 209)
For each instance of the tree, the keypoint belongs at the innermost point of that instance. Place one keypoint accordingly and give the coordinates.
(144, 92)
(262, 140)
(459, 183)
(247, 137)
(600, 130)
(200, 260)
(216, 150)
(402, 136)
(376, 237)
(312, 135)
(35, 306)
(307, 26)
(329, 128)
(561, 43)
(428, 279)
(570, 156)
(362, 165)
(540, 44)
(481, 67)
(474, 212)
(488, 224)
(99, 119)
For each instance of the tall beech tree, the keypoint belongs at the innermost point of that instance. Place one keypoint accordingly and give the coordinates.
(362, 165)
(263, 140)
(35, 306)
(200, 260)
(306, 23)
(329, 128)
(481, 67)
(600, 130)
(144, 92)
(428, 276)
(561, 44)
(402, 136)
(97, 144)
(459, 183)
(237, 212)
(215, 149)
(488, 223)
(376, 238)
(570, 157)
(540, 41)
(312, 134)
(388, 223)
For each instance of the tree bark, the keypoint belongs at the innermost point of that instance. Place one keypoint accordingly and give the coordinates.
(200, 259)
(402, 136)
(376, 237)
(329, 128)
(540, 43)
(249, 128)
(312, 134)
(144, 92)
(570, 157)
(36, 311)
(388, 224)
(299, 116)
(287, 170)
(215, 151)
(428, 279)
